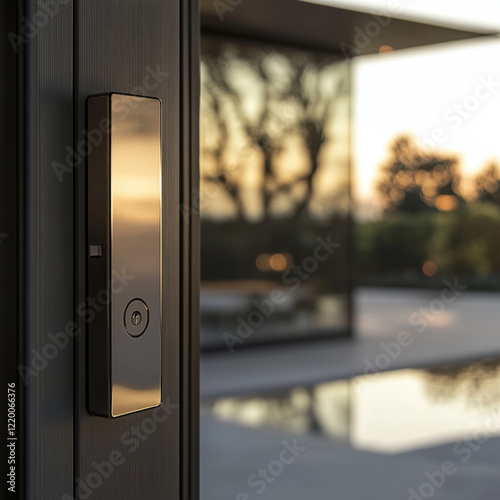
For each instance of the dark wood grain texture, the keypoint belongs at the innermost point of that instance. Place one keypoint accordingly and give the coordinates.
(133, 46)
(87, 47)
(48, 261)
(11, 247)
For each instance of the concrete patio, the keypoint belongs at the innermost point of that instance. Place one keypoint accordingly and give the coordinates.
(330, 469)
(463, 330)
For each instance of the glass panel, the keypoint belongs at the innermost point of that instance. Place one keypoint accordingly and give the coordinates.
(274, 193)
(326, 419)
(428, 187)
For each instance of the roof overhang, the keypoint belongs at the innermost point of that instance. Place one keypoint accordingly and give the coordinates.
(320, 26)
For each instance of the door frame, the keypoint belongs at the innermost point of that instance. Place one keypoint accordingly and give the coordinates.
(42, 216)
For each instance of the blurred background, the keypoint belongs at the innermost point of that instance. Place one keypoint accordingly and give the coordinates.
(350, 227)
(274, 179)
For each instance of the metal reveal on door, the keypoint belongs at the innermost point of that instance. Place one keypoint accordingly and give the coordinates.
(123, 309)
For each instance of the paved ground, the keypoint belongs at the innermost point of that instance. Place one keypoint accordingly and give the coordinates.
(329, 469)
(465, 329)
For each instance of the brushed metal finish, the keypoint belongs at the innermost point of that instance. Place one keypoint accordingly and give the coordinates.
(136, 318)
(135, 250)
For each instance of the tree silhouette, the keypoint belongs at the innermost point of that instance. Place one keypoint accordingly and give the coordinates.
(476, 382)
(487, 184)
(292, 102)
(412, 180)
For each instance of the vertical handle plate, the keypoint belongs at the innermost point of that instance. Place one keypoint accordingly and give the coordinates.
(124, 253)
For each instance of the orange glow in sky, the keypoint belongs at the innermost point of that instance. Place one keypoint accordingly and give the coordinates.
(446, 96)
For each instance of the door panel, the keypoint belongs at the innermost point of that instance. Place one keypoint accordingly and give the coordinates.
(47, 132)
(76, 49)
(134, 47)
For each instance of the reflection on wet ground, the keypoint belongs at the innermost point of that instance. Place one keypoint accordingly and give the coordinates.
(385, 412)
(387, 428)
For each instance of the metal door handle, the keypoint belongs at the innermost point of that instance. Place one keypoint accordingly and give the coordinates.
(124, 253)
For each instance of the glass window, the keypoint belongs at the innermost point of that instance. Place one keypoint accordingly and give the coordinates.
(274, 193)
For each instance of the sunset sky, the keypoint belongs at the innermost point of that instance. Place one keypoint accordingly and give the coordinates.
(420, 91)
(446, 96)
(430, 94)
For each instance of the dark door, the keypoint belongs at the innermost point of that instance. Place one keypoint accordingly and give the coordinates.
(58, 53)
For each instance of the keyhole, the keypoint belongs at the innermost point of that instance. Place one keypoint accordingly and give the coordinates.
(136, 318)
